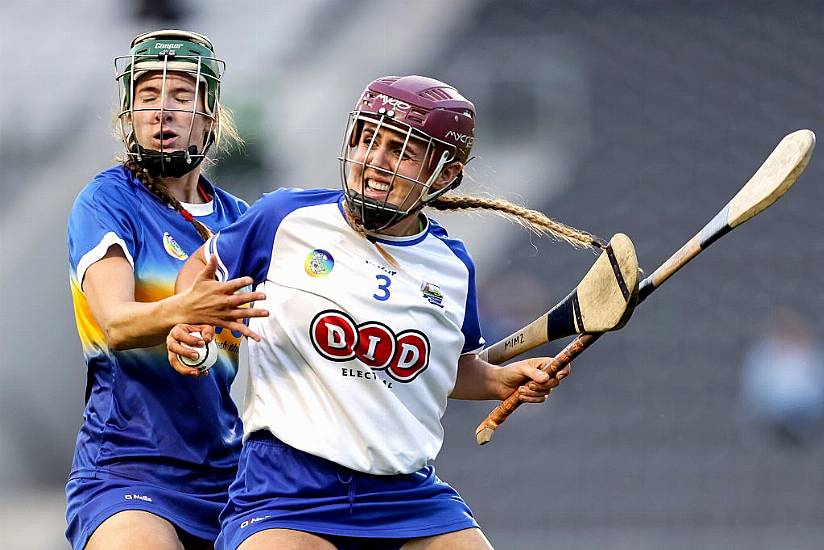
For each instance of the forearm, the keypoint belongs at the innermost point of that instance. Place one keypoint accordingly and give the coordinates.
(131, 325)
(190, 270)
(109, 288)
(476, 379)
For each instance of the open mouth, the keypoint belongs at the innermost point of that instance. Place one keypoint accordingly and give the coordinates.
(165, 138)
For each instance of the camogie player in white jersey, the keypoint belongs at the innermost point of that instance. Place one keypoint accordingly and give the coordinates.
(373, 325)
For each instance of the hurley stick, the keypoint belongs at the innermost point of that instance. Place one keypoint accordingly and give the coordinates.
(775, 176)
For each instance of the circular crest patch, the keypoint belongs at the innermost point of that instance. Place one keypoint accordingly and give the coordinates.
(318, 263)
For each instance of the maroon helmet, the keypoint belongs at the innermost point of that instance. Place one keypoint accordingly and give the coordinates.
(418, 108)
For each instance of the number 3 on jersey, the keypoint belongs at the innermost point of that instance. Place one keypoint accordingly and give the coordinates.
(383, 287)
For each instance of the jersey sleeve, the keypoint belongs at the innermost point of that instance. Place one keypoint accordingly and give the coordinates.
(98, 221)
(473, 340)
(244, 248)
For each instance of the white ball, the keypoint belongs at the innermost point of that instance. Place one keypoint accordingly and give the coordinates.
(207, 356)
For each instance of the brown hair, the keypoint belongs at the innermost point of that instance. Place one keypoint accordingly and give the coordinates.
(156, 187)
(533, 220)
(227, 136)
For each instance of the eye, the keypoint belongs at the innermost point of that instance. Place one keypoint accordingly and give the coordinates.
(366, 138)
(408, 153)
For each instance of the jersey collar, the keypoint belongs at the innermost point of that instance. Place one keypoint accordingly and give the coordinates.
(406, 240)
(197, 210)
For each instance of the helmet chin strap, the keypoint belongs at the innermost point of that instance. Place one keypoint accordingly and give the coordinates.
(382, 215)
(379, 215)
(168, 165)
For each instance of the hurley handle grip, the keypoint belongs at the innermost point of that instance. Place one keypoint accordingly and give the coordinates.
(486, 429)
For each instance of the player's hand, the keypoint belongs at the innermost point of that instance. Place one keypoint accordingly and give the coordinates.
(181, 334)
(217, 304)
(532, 383)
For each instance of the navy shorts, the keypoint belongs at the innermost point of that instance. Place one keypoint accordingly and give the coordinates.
(90, 501)
(280, 487)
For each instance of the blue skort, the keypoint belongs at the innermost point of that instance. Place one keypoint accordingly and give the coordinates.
(92, 500)
(280, 487)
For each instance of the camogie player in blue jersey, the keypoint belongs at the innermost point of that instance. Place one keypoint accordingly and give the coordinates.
(155, 455)
(373, 325)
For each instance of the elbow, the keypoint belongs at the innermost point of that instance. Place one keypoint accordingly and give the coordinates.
(115, 338)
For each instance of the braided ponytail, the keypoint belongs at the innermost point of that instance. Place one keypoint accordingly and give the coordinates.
(532, 220)
(362, 232)
(159, 190)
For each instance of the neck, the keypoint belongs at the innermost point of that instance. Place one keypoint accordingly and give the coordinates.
(184, 188)
(410, 225)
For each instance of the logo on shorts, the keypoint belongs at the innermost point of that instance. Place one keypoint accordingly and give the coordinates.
(249, 522)
(318, 263)
(134, 496)
(172, 248)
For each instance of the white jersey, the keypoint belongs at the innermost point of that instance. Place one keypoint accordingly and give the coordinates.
(357, 356)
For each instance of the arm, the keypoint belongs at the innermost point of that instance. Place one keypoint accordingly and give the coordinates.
(190, 270)
(242, 250)
(109, 288)
(478, 379)
(189, 275)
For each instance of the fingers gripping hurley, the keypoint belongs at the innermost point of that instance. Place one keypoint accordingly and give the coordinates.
(600, 302)
(486, 429)
(769, 183)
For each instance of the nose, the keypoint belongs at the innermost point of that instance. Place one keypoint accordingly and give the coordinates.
(378, 157)
(167, 114)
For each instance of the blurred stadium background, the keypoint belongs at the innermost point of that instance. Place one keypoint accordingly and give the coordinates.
(639, 116)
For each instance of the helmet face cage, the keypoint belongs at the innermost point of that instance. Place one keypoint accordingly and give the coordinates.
(377, 215)
(165, 52)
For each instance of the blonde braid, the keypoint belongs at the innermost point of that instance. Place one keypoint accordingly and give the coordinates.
(159, 190)
(532, 220)
(362, 232)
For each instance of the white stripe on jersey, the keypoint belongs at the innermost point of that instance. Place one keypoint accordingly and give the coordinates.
(221, 273)
(97, 253)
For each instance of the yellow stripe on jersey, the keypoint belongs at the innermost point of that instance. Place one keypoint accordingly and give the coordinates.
(155, 291)
(91, 335)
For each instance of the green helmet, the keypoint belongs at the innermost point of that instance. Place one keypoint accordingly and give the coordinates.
(169, 51)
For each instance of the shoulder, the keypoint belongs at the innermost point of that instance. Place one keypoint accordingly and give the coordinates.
(285, 200)
(456, 246)
(230, 202)
(112, 187)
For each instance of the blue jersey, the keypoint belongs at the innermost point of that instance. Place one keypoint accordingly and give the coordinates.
(142, 419)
